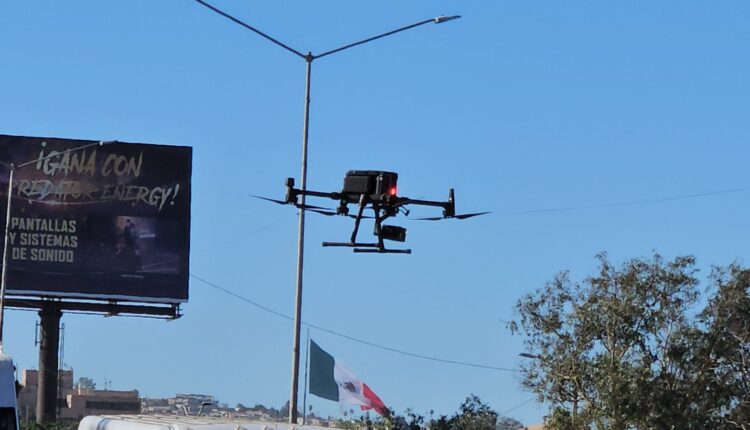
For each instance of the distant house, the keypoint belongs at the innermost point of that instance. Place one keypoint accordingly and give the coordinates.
(76, 403)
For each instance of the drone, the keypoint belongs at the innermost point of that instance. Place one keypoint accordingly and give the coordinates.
(377, 190)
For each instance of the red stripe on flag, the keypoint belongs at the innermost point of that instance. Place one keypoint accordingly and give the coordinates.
(375, 402)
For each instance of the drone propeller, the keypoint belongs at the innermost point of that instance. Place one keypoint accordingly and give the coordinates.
(322, 212)
(282, 202)
(459, 216)
(332, 213)
(311, 208)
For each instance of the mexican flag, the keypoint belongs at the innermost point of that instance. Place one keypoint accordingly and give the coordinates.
(330, 380)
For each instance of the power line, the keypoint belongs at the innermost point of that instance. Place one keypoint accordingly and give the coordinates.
(627, 203)
(517, 406)
(244, 299)
(351, 338)
(412, 354)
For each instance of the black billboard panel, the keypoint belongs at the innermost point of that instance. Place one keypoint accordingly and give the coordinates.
(95, 221)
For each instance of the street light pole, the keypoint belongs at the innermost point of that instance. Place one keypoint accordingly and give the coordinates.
(300, 252)
(309, 58)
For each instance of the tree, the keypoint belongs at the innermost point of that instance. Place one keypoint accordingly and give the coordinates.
(600, 349)
(723, 356)
(409, 421)
(622, 350)
(507, 423)
(85, 383)
(283, 413)
(472, 415)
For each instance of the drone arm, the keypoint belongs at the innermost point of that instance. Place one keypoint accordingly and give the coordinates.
(333, 196)
(292, 193)
(449, 207)
(403, 201)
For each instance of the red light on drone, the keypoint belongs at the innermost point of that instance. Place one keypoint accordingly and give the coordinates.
(393, 191)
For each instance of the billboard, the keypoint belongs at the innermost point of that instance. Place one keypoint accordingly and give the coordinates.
(95, 221)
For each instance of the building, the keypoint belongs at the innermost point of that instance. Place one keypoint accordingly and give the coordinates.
(83, 402)
(156, 406)
(75, 402)
(191, 404)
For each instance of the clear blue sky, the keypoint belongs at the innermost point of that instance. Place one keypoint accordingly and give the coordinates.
(518, 106)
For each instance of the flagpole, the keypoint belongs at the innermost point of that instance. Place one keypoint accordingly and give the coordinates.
(307, 367)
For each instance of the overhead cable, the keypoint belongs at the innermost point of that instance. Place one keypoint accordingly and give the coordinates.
(517, 406)
(351, 338)
(627, 203)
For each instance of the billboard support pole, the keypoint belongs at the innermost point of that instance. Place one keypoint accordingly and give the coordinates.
(46, 404)
(4, 278)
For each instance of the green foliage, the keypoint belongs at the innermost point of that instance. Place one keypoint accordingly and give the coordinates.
(63, 424)
(85, 383)
(283, 413)
(349, 425)
(409, 421)
(621, 350)
(472, 415)
(722, 358)
(507, 423)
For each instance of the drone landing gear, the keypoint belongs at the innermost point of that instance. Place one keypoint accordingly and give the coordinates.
(368, 247)
(380, 231)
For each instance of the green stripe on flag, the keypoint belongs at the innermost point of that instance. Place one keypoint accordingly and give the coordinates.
(322, 383)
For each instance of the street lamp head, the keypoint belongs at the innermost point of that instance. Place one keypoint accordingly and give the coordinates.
(442, 19)
(106, 142)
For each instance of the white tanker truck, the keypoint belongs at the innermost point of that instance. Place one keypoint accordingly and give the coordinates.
(8, 407)
(153, 422)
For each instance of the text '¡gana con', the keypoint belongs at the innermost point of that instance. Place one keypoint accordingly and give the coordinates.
(84, 163)
(93, 177)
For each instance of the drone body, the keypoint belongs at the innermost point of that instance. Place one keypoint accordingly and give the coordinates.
(377, 190)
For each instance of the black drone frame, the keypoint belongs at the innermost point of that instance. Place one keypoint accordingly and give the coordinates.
(384, 206)
(377, 190)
